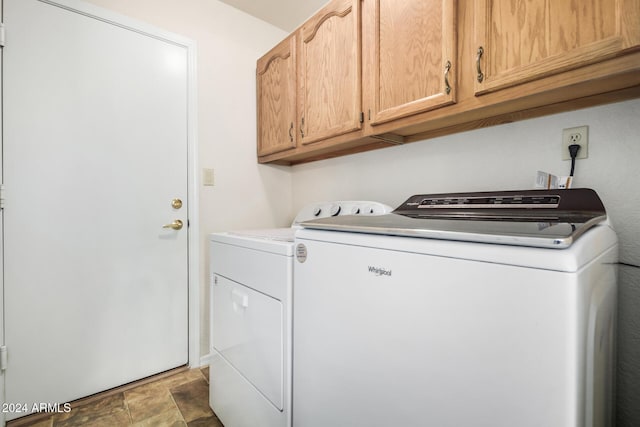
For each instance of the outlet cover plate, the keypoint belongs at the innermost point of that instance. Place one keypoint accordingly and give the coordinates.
(578, 135)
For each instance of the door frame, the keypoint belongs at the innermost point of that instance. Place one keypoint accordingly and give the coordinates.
(2, 342)
(193, 234)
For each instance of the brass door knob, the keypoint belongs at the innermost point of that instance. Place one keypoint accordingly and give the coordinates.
(175, 225)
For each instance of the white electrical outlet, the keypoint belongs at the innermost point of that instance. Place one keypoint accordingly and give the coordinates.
(578, 135)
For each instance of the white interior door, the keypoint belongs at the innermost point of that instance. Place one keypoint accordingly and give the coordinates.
(95, 150)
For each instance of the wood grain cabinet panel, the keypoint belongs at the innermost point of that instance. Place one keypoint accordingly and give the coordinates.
(519, 41)
(414, 57)
(364, 74)
(330, 81)
(276, 98)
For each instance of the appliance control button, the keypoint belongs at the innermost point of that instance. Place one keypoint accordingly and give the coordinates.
(317, 211)
(355, 210)
(335, 210)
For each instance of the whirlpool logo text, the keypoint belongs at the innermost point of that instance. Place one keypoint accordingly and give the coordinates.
(378, 271)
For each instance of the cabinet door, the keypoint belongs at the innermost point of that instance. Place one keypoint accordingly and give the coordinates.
(276, 93)
(414, 57)
(519, 41)
(330, 77)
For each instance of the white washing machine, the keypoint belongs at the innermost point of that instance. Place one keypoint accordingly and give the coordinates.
(474, 309)
(251, 287)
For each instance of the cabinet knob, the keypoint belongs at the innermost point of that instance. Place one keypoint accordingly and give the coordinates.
(291, 132)
(302, 127)
(480, 75)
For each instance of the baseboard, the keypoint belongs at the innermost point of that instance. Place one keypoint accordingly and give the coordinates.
(205, 360)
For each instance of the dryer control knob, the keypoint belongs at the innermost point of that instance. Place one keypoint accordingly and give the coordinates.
(355, 210)
(317, 211)
(335, 210)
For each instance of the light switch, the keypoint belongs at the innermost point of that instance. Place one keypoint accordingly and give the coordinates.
(207, 177)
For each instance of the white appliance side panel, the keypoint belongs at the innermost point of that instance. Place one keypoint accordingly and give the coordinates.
(388, 338)
(598, 320)
(262, 271)
(248, 332)
(237, 402)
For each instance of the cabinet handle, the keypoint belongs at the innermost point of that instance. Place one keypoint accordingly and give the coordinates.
(291, 132)
(302, 127)
(480, 75)
(447, 86)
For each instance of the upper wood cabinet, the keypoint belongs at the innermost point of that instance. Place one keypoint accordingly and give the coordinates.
(520, 41)
(276, 98)
(330, 80)
(364, 74)
(413, 54)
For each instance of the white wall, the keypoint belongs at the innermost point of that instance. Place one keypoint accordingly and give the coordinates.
(507, 157)
(229, 42)
(285, 14)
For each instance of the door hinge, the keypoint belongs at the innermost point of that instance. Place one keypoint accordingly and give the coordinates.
(1, 196)
(1, 34)
(3, 358)
(361, 116)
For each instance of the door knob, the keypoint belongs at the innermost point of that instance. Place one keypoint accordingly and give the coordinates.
(175, 225)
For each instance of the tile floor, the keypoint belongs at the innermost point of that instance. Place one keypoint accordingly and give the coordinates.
(181, 399)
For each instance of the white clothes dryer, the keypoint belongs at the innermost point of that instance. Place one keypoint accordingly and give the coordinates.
(251, 294)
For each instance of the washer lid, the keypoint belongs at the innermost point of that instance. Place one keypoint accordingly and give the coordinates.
(540, 218)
